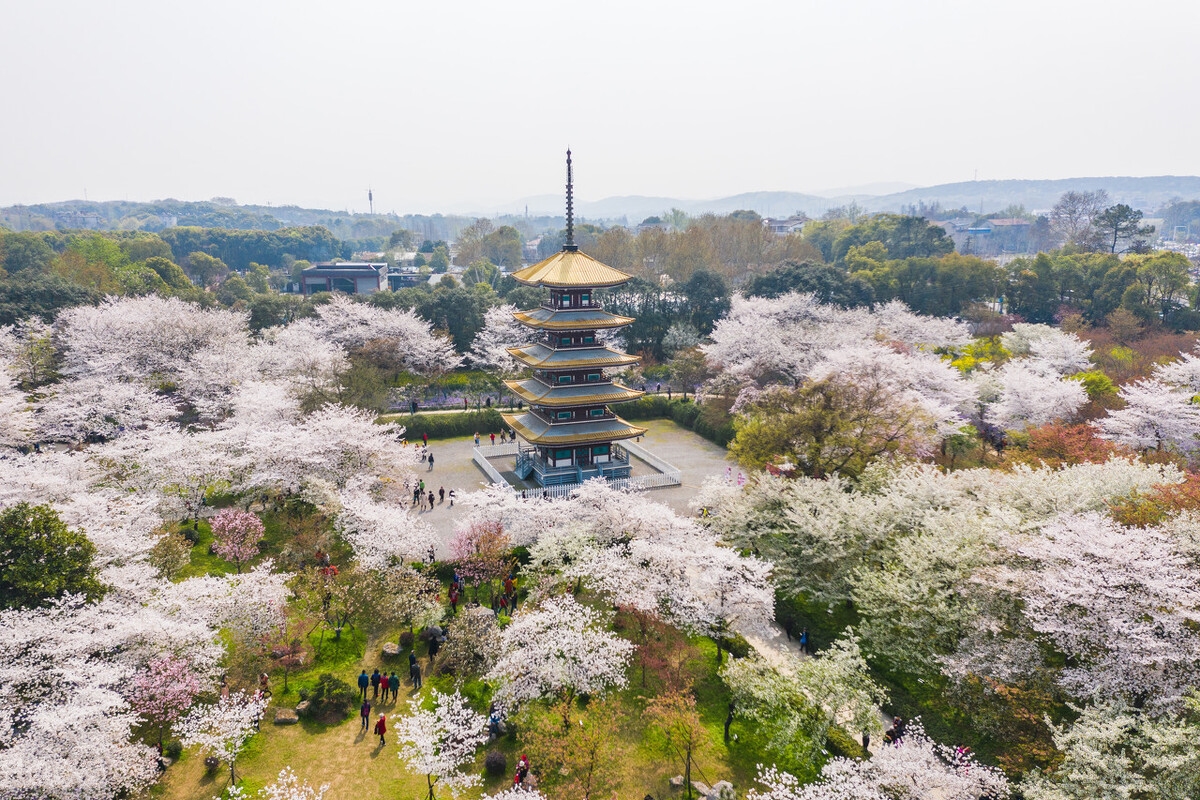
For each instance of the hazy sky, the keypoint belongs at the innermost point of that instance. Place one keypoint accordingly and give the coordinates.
(440, 104)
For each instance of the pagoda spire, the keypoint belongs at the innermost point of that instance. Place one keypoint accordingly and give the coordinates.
(570, 243)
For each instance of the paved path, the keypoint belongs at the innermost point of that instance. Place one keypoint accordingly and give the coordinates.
(696, 457)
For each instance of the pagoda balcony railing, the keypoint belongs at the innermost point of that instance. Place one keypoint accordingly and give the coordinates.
(553, 343)
(593, 306)
(549, 417)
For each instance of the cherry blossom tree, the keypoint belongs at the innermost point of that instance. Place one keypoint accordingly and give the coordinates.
(1022, 394)
(224, 727)
(236, 534)
(500, 331)
(1051, 349)
(1120, 603)
(100, 408)
(164, 690)
(915, 767)
(16, 423)
(439, 742)
(381, 534)
(353, 324)
(1156, 416)
(799, 700)
(481, 552)
(288, 786)
(559, 650)
(515, 793)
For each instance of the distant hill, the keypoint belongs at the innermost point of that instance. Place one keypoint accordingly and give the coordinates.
(546, 211)
(1147, 194)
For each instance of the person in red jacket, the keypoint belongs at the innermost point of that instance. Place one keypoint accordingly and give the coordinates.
(381, 729)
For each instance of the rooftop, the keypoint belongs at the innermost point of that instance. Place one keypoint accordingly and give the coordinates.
(536, 430)
(570, 269)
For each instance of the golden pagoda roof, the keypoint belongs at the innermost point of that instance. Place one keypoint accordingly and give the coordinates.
(536, 430)
(534, 392)
(539, 356)
(568, 319)
(570, 269)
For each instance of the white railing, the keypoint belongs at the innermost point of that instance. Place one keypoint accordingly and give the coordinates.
(481, 458)
(650, 458)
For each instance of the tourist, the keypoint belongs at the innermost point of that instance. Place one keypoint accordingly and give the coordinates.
(431, 462)
(804, 640)
(441, 494)
(375, 677)
(477, 438)
(522, 771)
(452, 498)
(264, 688)
(394, 685)
(425, 439)
(431, 499)
(414, 671)
(453, 599)
(416, 495)
(363, 682)
(435, 644)
(381, 729)
(365, 713)
(493, 440)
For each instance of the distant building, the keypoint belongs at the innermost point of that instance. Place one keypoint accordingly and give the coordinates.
(653, 223)
(785, 227)
(351, 277)
(404, 277)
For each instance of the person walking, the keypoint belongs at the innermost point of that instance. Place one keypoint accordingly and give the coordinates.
(435, 644)
(452, 498)
(394, 685)
(430, 469)
(381, 729)
(414, 671)
(425, 439)
(441, 494)
(804, 641)
(493, 440)
(453, 599)
(365, 714)
(431, 499)
(477, 438)
(375, 676)
(363, 683)
(421, 486)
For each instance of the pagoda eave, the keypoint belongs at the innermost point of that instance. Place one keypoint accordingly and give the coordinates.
(535, 392)
(570, 320)
(539, 356)
(537, 431)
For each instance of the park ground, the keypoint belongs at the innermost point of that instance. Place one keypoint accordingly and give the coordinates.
(352, 763)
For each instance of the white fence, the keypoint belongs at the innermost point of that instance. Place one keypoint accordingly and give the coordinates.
(668, 474)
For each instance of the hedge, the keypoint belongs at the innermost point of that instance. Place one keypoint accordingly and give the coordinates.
(446, 426)
(684, 413)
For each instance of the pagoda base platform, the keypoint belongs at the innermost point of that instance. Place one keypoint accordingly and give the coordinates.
(636, 468)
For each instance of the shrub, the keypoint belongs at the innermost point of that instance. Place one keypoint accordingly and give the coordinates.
(173, 749)
(736, 645)
(331, 697)
(445, 426)
(841, 744)
(707, 420)
(496, 763)
(406, 639)
(210, 764)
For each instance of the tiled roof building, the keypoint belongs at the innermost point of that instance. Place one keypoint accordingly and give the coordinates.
(569, 434)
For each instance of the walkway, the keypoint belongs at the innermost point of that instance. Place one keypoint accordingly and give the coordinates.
(696, 457)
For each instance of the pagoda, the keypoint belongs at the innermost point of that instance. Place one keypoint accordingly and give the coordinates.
(569, 433)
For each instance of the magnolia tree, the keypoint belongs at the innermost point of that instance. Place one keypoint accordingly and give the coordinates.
(224, 727)
(560, 650)
(914, 768)
(439, 742)
(236, 534)
(164, 690)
